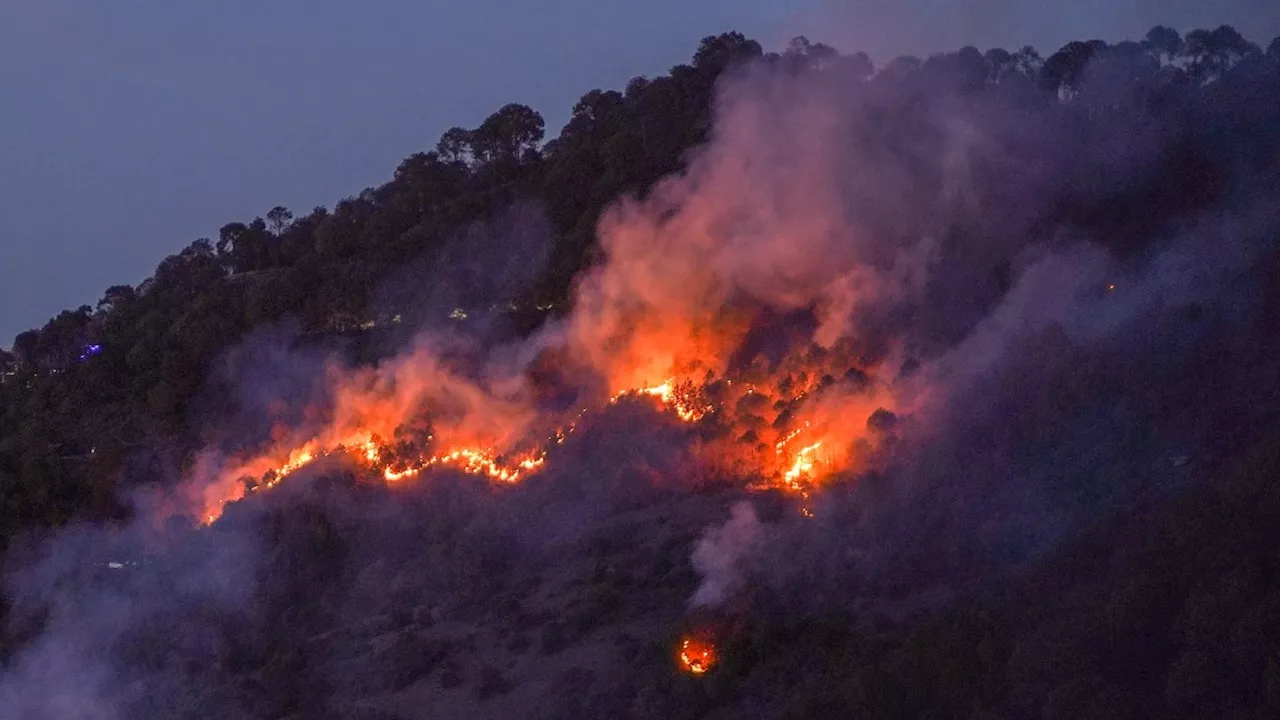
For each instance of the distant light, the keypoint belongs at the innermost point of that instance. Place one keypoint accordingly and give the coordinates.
(1111, 287)
(115, 565)
(458, 314)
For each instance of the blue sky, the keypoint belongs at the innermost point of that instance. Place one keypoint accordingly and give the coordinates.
(132, 127)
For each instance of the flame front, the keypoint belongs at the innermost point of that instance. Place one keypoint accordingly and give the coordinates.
(790, 465)
(364, 448)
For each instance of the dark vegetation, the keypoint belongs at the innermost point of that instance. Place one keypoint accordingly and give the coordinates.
(1169, 610)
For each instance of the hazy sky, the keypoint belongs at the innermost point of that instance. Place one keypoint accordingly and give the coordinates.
(887, 28)
(130, 128)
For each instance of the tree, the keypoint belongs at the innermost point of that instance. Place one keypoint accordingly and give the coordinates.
(596, 114)
(1164, 41)
(116, 297)
(455, 146)
(636, 87)
(1028, 61)
(235, 247)
(1001, 65)
(422, 180)
(966, 70)
(902, 66)
(718, 53)
(857, 66)
(339, 234)
(26, 346)
(242, 248)
(1065, 68)
(1213, 52)
(804, 55)
(511, 134)
(278, 219)
(1273, 50)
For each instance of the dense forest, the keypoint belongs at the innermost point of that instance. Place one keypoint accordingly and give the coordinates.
(1166, 606)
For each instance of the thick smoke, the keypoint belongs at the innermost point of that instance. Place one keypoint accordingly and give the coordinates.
(936, 249)
(774, 211)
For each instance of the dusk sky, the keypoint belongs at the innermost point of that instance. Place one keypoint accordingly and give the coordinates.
(131, 128)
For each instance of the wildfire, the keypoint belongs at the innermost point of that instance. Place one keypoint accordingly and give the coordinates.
(802, 467)
(668, 392)
(763, 410)
(481, 462)
(366, 451)
(696, 656)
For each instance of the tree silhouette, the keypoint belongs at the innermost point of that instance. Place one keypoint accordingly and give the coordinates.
(278, 219)
(455, 146)
(718, 53)
(1164, 41)
(511, 134)
(1213, 52)
(1065, 68)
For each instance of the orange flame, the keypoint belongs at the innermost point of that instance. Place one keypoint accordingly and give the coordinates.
(684, 407)
(803, 465)
(364, 449)
(785, 428)
(793, 470)
(697, 656)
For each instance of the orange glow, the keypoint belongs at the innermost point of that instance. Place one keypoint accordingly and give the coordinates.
(730, 298)
(696, 656)
(825, 433)
(791, 425)
(802, 466)
(685, 407)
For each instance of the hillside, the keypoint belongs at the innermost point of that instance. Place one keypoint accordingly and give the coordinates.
(941, 389)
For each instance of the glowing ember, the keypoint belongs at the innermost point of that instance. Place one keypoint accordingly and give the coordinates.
(697, 656)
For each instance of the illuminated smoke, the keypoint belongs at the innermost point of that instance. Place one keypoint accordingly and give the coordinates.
(776, 216)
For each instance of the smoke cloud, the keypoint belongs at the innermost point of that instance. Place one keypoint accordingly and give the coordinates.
(719, 555)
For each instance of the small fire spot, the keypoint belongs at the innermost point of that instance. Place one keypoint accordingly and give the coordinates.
(697, 656)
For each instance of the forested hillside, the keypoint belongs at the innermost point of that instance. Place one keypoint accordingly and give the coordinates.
(1086, 528)
(322, 270)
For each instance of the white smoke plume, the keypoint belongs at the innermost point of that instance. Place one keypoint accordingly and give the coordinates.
(720, 556)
